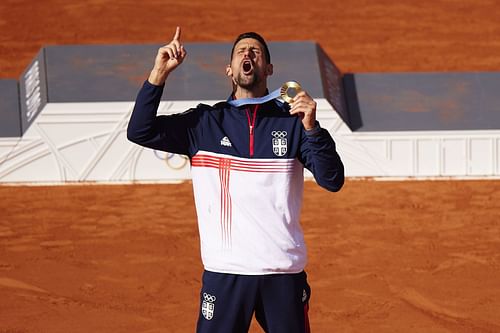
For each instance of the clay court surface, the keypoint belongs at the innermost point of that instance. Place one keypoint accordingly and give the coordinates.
(419, 256)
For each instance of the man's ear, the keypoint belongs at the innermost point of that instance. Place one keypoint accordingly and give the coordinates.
(229, 71)
(269, 69)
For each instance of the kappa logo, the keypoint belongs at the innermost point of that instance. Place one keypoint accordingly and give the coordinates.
(279, 143)
(225, 142)
(208, 306)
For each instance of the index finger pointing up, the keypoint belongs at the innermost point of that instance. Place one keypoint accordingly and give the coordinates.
(177, 35)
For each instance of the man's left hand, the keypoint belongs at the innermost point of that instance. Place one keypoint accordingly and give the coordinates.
(305, 107)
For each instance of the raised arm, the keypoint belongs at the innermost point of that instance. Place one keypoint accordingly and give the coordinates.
(169, 133)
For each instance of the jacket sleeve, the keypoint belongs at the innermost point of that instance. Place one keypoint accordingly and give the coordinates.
(173, 133)
(318, 154)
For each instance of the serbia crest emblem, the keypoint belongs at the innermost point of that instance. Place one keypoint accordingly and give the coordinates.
(279, 143)
(208, 306)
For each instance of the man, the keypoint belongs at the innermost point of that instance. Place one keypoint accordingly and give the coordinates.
(247, 170)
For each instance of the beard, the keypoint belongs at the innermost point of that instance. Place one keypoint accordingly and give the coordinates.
(247, 82)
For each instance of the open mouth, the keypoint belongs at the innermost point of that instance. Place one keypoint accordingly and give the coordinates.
(247, 67)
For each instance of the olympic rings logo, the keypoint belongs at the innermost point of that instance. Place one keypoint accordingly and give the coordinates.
(209, 298)
(173, 161)
(279, 134)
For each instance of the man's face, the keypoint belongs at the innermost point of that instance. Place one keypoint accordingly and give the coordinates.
(248, 66)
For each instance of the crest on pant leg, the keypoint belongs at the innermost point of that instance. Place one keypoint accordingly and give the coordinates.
(208, 306)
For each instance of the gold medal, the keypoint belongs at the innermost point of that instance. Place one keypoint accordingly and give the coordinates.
(289, 90)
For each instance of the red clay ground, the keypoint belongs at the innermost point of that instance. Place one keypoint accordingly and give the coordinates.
(384, 256)
(359, 35)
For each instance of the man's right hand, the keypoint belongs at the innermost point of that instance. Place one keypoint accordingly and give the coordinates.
(168, 58)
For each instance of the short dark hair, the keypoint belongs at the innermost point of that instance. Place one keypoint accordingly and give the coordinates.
(255, 36)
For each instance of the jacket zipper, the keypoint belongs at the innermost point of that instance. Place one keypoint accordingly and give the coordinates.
(251, 126)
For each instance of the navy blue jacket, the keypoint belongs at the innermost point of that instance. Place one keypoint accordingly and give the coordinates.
(275, 134)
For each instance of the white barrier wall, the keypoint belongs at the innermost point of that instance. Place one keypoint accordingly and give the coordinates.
(424, 154)
(86, 142)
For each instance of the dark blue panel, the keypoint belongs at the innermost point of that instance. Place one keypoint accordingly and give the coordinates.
(97, 73)
(92, 73)
(297, 61)
(426, 101)
(202, 74)
(10, 120)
